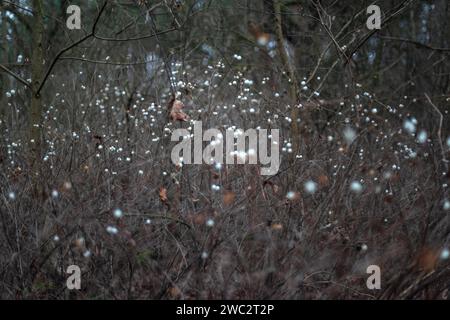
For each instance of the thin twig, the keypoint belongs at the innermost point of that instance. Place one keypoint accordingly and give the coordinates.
(441, 120)
(109, 62)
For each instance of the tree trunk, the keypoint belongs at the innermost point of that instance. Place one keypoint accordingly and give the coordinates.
(294, 92)
(4, 82)
(37, 71)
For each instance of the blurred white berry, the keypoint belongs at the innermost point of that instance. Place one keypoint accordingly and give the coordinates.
(118, 213)
(349, 135)
(422, 136)
(410, 125)
(356, 186)
(310, 186)
(112, 230)
(447, 205)
(291, 195)
(445, 254)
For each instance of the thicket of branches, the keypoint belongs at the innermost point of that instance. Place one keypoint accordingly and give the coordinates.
(85, 170)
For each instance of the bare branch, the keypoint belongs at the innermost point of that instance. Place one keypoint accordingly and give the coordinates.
(402, 6)
(60, 53)
(136, 38)
(16, 76)
(417, 43)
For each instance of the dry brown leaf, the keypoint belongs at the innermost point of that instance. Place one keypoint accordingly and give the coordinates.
(277, 226)
(163, 194)
(199, 219)
(176, 112)
(80, 243)
(323, 180)
(228, 197)
(427, 259)
(174, 292)
(261, 37)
